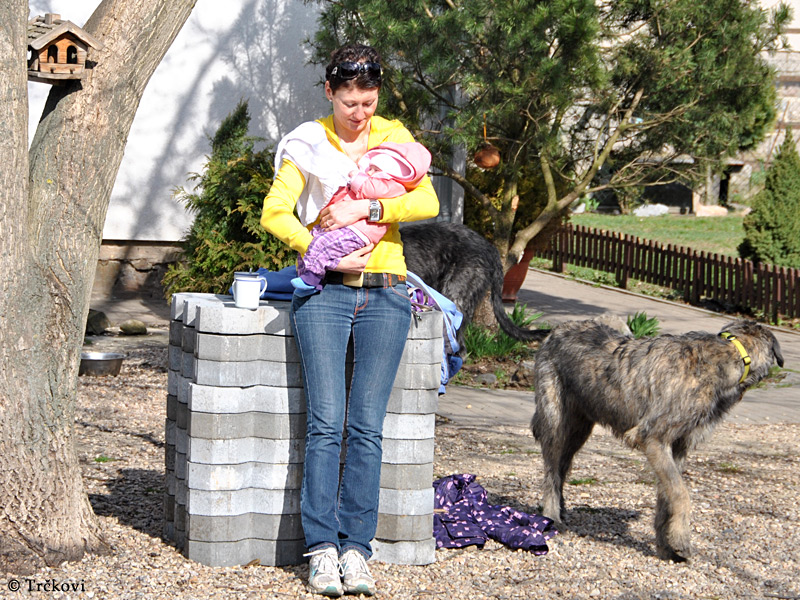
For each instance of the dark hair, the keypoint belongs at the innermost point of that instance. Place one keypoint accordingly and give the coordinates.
(357, 53)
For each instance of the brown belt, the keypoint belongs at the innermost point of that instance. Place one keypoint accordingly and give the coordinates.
(367, 280)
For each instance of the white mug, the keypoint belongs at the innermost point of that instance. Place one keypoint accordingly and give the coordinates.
(247, 289)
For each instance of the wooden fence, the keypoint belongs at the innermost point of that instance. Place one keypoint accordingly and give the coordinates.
(738, 284)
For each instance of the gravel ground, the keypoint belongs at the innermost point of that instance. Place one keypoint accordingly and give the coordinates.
(744, 484)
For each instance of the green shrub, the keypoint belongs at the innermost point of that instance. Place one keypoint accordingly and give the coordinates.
(226, 235)
(641, 326)
(481, 342)
(772, 229)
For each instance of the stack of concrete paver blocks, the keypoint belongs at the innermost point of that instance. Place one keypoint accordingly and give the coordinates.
(235, 435)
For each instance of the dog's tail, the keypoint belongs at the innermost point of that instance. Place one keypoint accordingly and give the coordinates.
(506, 324)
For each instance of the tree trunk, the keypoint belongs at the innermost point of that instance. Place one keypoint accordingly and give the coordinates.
(53, 204)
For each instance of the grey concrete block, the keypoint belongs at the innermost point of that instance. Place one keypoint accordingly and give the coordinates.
(172, 406)
(418, 377)
(232, 452)
(271, 317)
(170, 432)
(407, 477)
(181, 440)
(188, 339)
(238, 502)
(406, 502)
(408, 452)
(175, 333)
(181, 492)
(179, 516)
(246, 425)
(257, 372)
(171, 484)
(203, 528)
(188, 366)
(408, 427)
(193, 303)
(268, 476)
(212, 399)
(181, 467)
(173, 376)
(404, 553)
(169, 457)
(413, 401)
(174, 358)
(426, 325)
(404, 527)
(229, 554)
(182, 416)
(424, 352)
(245, 348)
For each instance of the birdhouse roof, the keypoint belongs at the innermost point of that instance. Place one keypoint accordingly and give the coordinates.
(41, 33)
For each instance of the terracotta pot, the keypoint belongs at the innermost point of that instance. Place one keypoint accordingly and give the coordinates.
(515, 276)
(487, 157)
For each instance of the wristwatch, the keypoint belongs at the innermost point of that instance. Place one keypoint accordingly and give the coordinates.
(375, 211)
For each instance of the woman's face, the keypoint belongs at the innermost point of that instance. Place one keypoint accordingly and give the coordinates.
(352, 107)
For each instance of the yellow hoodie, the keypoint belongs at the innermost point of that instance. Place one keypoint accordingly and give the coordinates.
(279, 219)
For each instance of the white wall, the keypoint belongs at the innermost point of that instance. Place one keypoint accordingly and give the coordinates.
(227, 51)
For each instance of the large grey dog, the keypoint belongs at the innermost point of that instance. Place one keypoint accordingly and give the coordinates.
(660, 395)
(462, 265)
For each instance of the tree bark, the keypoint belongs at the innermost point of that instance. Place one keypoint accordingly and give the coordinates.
(53, 204)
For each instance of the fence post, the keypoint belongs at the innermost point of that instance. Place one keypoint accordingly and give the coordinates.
(559, 241)
(623, 261)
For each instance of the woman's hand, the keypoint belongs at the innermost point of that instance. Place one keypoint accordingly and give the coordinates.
(343, 214)
(355, 261)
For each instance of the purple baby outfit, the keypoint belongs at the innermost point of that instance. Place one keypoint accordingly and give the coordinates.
(466, 518)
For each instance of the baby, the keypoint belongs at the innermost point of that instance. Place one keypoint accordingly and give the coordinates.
(387, 171)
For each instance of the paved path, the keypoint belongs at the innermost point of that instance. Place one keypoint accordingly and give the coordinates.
(562, 299)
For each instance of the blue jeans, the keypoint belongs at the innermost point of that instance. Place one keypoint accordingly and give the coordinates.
(379, 319)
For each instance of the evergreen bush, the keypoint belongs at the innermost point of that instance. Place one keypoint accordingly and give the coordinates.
(226, 235)
(772, 229)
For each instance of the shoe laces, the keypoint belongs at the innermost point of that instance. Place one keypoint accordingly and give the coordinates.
(355, 562)
(328, 560)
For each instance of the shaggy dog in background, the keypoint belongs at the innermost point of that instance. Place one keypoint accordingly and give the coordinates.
(462, 265)
(660, 395)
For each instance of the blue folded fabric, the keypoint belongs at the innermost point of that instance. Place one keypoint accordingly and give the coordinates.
(279, 283)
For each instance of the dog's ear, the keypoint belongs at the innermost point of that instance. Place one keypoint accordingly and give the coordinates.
(776, 352)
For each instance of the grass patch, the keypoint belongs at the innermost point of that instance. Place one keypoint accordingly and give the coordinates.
(726, 467)
(584, 481)
(721, 235)
(481, 342)
(103, 459)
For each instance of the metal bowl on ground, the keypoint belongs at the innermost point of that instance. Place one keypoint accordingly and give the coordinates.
(101, 363)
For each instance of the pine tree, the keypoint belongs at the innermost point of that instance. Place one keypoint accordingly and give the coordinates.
(565, 88)
(226, 235)
(772, 229)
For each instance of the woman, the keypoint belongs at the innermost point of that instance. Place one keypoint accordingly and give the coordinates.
(364, 296)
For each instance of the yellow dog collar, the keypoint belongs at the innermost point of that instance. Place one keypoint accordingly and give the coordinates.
(740, 347)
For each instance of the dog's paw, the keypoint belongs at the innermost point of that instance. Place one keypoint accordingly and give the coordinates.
(674, 554)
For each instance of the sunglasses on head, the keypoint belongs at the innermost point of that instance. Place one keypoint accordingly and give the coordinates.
(351, 70)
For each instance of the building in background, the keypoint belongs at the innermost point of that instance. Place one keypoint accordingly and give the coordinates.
(255, 50)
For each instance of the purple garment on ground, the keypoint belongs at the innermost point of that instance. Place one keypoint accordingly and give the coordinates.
(324, 253)
(468, 518)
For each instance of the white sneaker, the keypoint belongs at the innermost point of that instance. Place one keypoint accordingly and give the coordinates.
(356, 576)
(325, 572)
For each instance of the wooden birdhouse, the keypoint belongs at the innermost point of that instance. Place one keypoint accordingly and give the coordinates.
(57, 49)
